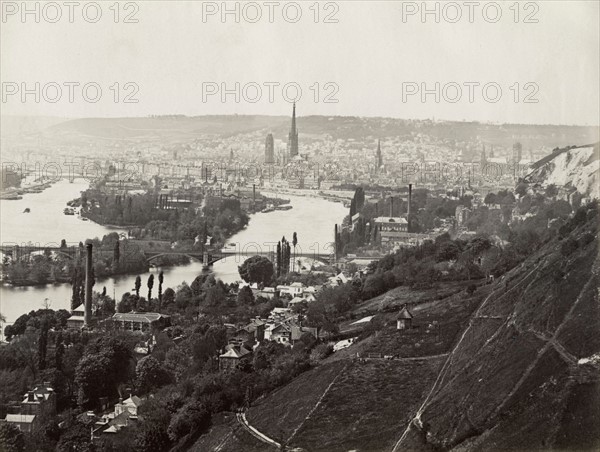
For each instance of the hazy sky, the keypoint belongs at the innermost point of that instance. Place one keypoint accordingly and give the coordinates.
(371, 56)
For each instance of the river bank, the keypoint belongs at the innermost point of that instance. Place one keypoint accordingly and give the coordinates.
(311, 218)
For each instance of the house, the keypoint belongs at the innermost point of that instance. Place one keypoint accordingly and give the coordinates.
(281, 333)
(338, 280)
(247, 335)
(24, 422)
(233, 357)
(130, 405)
(76, 321)
(298, 331)
(404, 320)
(289, 333)
(295, 301)
(294, 289)
(310, 290)
(40, 400)
(140, 321)
(124, 414)
(267, 292)
(280, 314)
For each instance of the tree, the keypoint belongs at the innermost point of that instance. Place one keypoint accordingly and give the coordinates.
(151, 435)
(245, 296)
(490, 198)
(138, 284)
(116, 256)
(521, 189)
(161, 278)
(294, 243)
(551, 191)
(11, 438)
(168, 296)
(105, 364)
(150, 286)
(150, 375)
(43, 343)
(192, 417)
(257, 269)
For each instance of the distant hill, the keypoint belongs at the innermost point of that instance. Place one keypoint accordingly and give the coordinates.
(181, 128)
(20, 125)
(577, 167)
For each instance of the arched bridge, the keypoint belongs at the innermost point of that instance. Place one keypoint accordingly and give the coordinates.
(212, 256)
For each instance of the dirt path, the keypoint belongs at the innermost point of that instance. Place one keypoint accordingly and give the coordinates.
(241, 417)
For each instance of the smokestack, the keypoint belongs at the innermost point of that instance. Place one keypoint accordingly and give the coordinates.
(409, 199)
(391, 206)
(254, 193)
(88, 286)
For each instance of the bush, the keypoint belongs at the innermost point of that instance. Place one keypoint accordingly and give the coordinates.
(321, 351)
(11, 438)
(193, 417)
(471, 289)
(587, 238)
(569, 246)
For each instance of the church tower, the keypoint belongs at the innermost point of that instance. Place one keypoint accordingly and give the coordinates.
(292, 145)
(269, 149)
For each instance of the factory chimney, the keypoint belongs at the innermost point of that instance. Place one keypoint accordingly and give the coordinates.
(391, 206)
(409, 199)
(88, 286)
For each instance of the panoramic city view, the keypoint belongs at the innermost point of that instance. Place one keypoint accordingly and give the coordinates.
(299, 226)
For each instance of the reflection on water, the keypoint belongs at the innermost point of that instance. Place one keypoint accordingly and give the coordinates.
(312, 219)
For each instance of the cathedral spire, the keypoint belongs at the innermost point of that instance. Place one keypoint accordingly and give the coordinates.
(293, 136)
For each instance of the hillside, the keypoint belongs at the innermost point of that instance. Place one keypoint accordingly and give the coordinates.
(186, 128)
(573, 167)
(523, 375)
(514, 366)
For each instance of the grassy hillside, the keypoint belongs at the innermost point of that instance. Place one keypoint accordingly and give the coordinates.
(515, 379)
(367, 405)
(279, 414)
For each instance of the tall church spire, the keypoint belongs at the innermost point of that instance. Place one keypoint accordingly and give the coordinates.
(293, 136)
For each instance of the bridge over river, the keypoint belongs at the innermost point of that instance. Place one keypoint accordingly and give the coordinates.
(207, 256)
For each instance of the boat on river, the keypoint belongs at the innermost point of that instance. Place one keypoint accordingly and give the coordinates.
(27, 210)
(69, 211)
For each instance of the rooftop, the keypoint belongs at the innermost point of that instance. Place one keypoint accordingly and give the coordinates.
(400, 220)
(146, 317)
(404, 314)
(27, 418)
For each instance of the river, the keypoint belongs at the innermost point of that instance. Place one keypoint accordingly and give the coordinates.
(312, 219)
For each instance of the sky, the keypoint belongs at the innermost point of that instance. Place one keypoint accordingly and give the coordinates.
(354, 58)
